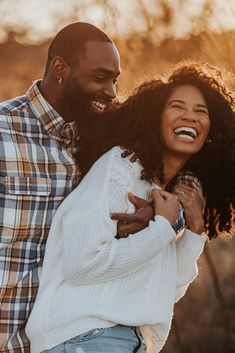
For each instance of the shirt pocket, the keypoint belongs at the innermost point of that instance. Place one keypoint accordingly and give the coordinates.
(24, 201)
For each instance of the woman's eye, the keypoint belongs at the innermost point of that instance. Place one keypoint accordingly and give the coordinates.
(176, 106)
(202, 111)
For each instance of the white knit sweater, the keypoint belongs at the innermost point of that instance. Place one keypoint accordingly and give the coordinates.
(91, 280)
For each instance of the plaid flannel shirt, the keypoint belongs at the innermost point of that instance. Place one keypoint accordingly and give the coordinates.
(36, 173)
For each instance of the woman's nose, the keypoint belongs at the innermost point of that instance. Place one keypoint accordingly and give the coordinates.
(189, 115)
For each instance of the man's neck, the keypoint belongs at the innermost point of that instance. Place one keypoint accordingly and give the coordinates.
(53, 98)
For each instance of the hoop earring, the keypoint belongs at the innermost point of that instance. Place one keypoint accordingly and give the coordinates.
(208, 140)
(60, 79)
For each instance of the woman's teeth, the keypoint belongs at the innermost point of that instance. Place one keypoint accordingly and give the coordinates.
(187, 132)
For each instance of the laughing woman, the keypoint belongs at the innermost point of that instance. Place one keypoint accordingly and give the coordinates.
(102, 294)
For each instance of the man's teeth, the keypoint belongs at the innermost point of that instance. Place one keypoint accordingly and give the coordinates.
(185, 131)
(99, 105)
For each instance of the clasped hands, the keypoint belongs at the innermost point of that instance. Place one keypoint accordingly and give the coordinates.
(164, 204)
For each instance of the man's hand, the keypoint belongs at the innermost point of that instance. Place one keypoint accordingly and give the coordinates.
(130, 223)
(193, 201)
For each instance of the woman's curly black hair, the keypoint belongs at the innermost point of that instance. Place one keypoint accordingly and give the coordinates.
(136, 126)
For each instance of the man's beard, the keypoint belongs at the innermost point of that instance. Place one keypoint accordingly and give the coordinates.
(76, 101)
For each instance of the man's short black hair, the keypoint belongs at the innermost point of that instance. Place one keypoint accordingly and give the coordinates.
(69, 43)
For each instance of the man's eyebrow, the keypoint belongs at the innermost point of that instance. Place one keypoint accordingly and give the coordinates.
(106, 71)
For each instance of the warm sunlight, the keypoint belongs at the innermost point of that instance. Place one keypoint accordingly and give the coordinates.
(41, 18)
(151, 36)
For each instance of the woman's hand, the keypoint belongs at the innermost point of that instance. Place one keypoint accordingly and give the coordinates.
(193, 201)
(166, 204)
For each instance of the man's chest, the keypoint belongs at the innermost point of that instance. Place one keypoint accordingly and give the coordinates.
(35, 176)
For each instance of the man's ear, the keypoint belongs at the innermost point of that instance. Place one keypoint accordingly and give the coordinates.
(59, 68)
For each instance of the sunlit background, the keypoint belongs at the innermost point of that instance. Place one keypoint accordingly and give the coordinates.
(151, 35)
(38, 20)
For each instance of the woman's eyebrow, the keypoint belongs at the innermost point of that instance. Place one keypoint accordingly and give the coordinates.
(176, 101)
(202, 106)
(182, 102)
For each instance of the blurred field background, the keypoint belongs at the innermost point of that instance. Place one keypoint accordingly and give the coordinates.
(151, 36)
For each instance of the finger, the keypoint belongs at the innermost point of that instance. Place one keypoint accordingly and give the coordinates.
(182, 199)
(129, 228)
(165, 195)
(159, 195)
(121, 236)
(124, 217)
(187, 200)
(186, 190)
(189, 191)
(155, 192)
(192, 186)
(181, 192)
(137, 201)
(198, 189)
(185, 187)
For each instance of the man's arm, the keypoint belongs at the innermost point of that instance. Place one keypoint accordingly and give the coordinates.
(130, 223)
(190, 196)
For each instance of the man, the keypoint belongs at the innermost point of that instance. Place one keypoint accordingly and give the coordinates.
(37, 171)
(38, 133)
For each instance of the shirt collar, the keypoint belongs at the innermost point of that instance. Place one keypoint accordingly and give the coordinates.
(52, 122)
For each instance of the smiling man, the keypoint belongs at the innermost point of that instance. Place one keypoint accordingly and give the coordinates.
(81, 73)
(37, 171)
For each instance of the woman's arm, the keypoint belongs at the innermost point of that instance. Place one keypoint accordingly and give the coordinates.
(188, 249)
(91, 253)
(190, 245)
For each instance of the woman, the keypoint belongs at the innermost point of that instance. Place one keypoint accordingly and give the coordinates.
(99, 293)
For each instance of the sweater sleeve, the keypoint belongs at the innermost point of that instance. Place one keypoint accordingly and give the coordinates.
(91, 253)
(188, 248)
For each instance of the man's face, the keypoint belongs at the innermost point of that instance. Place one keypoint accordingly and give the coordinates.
(91, 86)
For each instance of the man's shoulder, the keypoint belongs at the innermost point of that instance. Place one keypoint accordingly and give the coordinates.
(15, 104)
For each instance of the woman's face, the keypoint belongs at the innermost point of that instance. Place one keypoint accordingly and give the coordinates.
(185, 121)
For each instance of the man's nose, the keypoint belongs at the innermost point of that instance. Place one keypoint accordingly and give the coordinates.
(110, 90)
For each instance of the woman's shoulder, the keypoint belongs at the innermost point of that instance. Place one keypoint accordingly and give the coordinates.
(118, 157)
(116, 167)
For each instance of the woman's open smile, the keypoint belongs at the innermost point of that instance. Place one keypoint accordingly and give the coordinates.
(185, 121)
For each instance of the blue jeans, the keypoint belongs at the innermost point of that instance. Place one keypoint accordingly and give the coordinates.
(116, 339)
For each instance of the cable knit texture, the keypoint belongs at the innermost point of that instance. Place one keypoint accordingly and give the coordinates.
(90, 279)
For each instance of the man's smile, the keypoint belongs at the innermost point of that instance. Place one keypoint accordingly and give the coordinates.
(98, 106)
